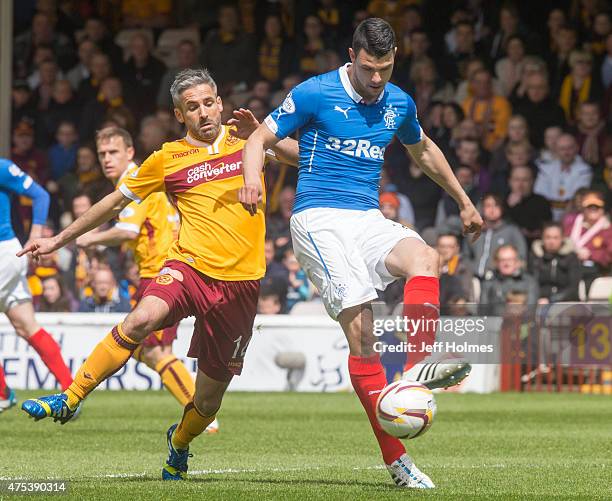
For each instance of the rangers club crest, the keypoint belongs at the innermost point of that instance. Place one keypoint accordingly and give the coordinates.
(389, 116)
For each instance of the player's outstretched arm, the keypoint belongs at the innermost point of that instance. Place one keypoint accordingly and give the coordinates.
(99, 213)
(245, 123)
(431, 160)
(110, 238)
(252, 165)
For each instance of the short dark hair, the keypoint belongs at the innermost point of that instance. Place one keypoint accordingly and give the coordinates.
(448, 235)
(186, 41)
(469, 140)
(495, 197)
(419, 31)
(458, 110)
(86, 194)
(503, 247)
(269, 291)
(515, 37)
(568, 27)
(465, 23)
(375, 36)
(552, 224)
(511, 8)
(591, 102)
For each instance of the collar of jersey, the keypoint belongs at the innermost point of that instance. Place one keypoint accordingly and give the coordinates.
(348, 87)
(212, 148)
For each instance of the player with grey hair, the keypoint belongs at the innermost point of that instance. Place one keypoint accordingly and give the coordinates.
(211, 272)
(190, 78)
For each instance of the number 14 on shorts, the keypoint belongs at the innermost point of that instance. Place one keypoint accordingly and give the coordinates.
(240, 351)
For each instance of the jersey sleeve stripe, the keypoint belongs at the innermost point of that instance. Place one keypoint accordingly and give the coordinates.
(129, 194)
(271, 124)
(134, 228)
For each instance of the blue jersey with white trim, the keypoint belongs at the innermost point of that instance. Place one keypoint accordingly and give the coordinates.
(14, 180)
(342, 140)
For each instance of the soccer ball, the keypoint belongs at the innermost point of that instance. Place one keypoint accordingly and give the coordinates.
(406, 409)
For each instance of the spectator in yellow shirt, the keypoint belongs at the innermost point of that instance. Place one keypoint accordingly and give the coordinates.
(490, 112)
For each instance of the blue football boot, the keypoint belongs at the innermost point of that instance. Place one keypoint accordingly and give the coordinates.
(54, 406)
(176, 465)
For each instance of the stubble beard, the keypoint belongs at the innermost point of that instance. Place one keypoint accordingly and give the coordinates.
(208, 137)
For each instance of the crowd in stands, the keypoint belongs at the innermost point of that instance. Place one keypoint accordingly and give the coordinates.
(517, 95)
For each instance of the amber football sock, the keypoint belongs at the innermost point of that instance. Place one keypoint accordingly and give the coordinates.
(176, 378)
(107, 358)
(192, 425)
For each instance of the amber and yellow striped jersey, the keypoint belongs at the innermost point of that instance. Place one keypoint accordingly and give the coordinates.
(217, 236)
(156, 222)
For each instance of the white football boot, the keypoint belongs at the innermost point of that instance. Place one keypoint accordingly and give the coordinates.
(405, 474)
(440, 373)
(9, 401)
(212, 427)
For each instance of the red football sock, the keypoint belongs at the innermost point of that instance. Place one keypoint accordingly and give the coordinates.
(51, 355)
(368, 379)
(3, 389)
(422, 302)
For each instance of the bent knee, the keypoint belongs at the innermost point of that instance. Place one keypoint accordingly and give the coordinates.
(21, 328)
(23, 321)
(207, 405)
(426, 264)
(433, 258)
(139, 323)
(21, 331)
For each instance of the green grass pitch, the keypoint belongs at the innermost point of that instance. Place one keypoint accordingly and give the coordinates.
(319, 446)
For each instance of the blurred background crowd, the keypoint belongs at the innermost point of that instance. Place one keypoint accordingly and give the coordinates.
(518, 95)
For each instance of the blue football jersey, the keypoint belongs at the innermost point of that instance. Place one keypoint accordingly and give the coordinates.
(14, 181)
(342, 140)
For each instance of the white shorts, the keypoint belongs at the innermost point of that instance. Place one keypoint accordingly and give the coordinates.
(14, 287)
(343, 253)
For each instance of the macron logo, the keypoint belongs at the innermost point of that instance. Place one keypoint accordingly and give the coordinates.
(182, 154)
(344, 112)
